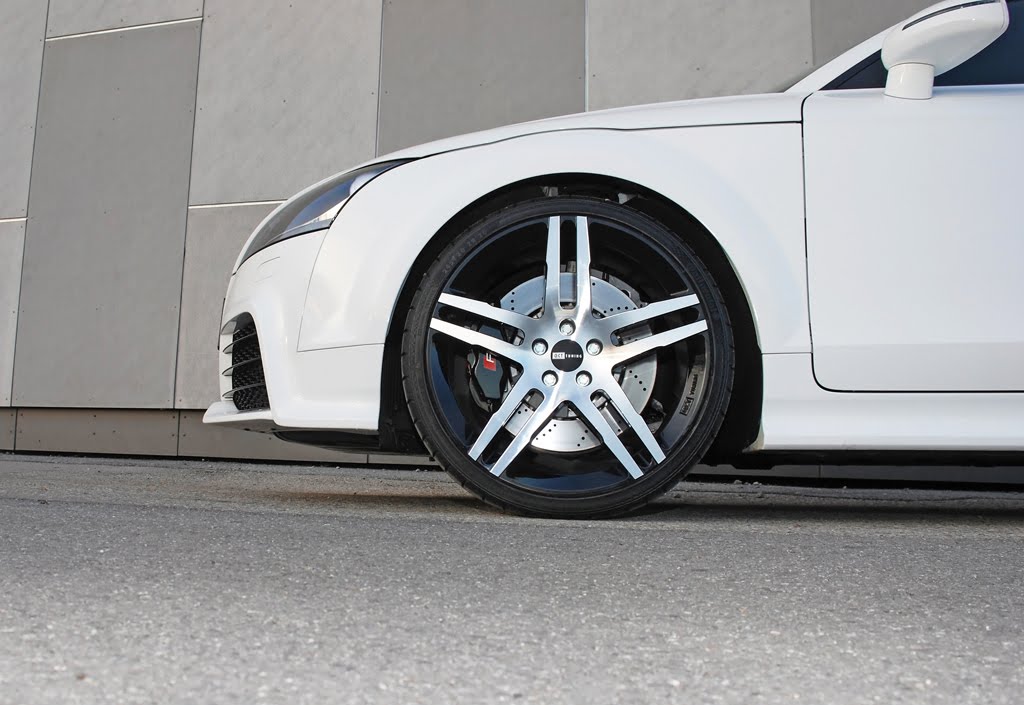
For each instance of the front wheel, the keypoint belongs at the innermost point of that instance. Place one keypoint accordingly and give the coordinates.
(568, 357)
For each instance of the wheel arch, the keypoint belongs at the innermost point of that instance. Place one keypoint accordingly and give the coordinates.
(742, 422)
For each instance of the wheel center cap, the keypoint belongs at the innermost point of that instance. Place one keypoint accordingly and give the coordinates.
(567, 355)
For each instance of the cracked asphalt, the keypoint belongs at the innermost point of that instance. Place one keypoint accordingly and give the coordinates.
(148, 581)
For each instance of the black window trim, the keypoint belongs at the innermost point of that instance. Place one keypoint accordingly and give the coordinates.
(839, 81)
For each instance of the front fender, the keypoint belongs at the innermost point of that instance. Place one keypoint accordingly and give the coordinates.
(744, 183)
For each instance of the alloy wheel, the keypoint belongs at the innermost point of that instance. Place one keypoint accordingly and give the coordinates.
(569, 354)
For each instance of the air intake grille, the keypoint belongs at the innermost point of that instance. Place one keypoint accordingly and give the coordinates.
(248, 385)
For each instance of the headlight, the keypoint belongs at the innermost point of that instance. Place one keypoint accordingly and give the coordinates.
(313, 209)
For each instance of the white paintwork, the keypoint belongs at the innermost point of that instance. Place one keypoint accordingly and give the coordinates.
(336, 388)
(743, 183)
(915, 240)
(910, 81)
(937, 40)
(800, 415)
(912, 240)
(225, 412)
(729, 110)
(753, 109)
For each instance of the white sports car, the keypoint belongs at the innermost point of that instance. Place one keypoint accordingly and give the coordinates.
(569, 314)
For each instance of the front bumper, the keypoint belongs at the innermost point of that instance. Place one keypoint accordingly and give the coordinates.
(331, 389)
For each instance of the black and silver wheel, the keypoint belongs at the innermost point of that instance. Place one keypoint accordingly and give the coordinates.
(568, 357)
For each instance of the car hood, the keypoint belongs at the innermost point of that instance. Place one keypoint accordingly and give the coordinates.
(733, 110)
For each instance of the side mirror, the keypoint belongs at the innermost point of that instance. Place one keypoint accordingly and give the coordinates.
(937, 40)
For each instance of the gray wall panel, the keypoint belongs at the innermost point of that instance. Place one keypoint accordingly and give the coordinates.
(105, 236)
(287, 96)
(842, 24)
(202, 441)
(12, 241)
(22, 23)
(212, 242)
(655, 50)
(75, 16)
(7, 421)
(451, 66)
(112, 431)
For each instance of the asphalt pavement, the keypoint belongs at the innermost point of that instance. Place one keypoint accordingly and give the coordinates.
(127, 581)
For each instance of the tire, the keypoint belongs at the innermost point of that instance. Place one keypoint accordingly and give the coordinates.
(508, 389)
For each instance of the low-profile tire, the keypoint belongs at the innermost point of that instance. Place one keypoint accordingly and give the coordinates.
(548, 397)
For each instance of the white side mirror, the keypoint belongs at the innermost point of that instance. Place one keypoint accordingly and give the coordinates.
(937, 40)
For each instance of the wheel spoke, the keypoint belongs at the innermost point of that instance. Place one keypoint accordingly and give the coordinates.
(485, 310)
(646, 345)
(499, 418)
(608, 436)
(553, 266)
(641, 315)
(583, 286)
(625, 408)
(480, 340)
(525, 436)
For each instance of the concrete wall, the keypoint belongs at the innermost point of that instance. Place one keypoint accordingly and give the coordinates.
(143, 139)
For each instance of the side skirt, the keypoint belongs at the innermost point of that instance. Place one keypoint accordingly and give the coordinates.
(798, 415)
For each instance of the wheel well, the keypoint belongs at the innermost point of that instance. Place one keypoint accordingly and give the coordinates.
(743, 418)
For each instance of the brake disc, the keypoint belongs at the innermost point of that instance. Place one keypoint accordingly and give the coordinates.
(566, 433)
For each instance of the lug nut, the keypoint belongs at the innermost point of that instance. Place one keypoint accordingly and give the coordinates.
(594, 347)
(583, 379)
(550, 379)
(566, 327)
(540, 347)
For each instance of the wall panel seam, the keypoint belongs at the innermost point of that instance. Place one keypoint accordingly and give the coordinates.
(380, 80)
(810, 16)
(586, 56)
(231, 204)
(127, 28)
(28, 211)
(184, 240)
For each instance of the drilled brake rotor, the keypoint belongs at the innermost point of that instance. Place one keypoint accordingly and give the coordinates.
(566, 433)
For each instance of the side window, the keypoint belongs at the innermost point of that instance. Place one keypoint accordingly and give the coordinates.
(1000, 63)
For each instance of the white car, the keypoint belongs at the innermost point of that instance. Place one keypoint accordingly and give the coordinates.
(571, 313)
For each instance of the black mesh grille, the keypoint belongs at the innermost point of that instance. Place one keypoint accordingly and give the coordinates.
(248, 385)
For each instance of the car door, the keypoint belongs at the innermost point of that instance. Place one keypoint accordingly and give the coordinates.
(915, 234)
